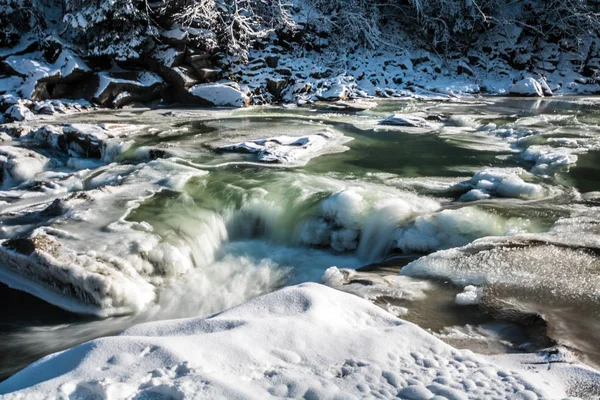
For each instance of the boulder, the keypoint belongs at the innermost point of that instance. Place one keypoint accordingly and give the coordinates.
(142, 87)
(199, 61)
(276, 86)
(527, 87)
(208, 74)
(18, 112)
(272, 61)
(334, 92)
(218, 94)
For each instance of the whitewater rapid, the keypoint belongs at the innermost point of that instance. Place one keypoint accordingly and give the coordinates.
(187, 213)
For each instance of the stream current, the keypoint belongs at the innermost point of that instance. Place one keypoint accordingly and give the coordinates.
(499, 196)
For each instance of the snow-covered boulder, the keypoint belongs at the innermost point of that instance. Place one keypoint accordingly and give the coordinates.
(528, 87)
(218, 94)
(406, 120)
(306, 341)
(19, 112)
(145, 86)
(334, 92)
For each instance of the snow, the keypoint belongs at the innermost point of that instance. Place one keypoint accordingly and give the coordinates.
(287, 149)
(452, 228)
(304, 341)
(219, 94)
(19, 112)
(471, 295)
(406, 120)
(546, 265)
(527, 87)
(502, 182)
(144, 79)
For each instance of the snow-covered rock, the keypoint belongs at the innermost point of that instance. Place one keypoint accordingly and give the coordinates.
(284, 149)
(306, 341)
(19, 112)
(334, 92)
(218, 94)
(406, 120)
(143, 86)
(527, 87)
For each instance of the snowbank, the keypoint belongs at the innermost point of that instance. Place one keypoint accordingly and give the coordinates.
(305, 341)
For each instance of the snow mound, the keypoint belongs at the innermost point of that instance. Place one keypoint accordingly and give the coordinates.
(471, 295)
(219, 94)
(283, 149)
(305, 341)
(527, 87)
(452, 228)
(502, 183)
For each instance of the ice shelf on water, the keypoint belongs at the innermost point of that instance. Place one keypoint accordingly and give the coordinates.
(303, 341)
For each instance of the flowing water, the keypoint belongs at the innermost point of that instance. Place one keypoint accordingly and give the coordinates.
(202, 229)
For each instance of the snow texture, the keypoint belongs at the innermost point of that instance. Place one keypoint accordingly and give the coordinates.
(305, 341)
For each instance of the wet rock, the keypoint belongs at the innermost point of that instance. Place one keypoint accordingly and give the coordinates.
(534, 323)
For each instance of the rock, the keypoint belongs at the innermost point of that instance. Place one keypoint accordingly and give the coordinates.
(218, 94)
(170, 57)
(183, 77)
(142, 87)
(284, 71)
(545, 88)
(208, 74)
(7, 100)
(335, 92)
(199, 61)
(276, 86)
(4, 138)
(272, 61)
(18, 112)
(406, 120)
(527, 87)
(464, 68)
